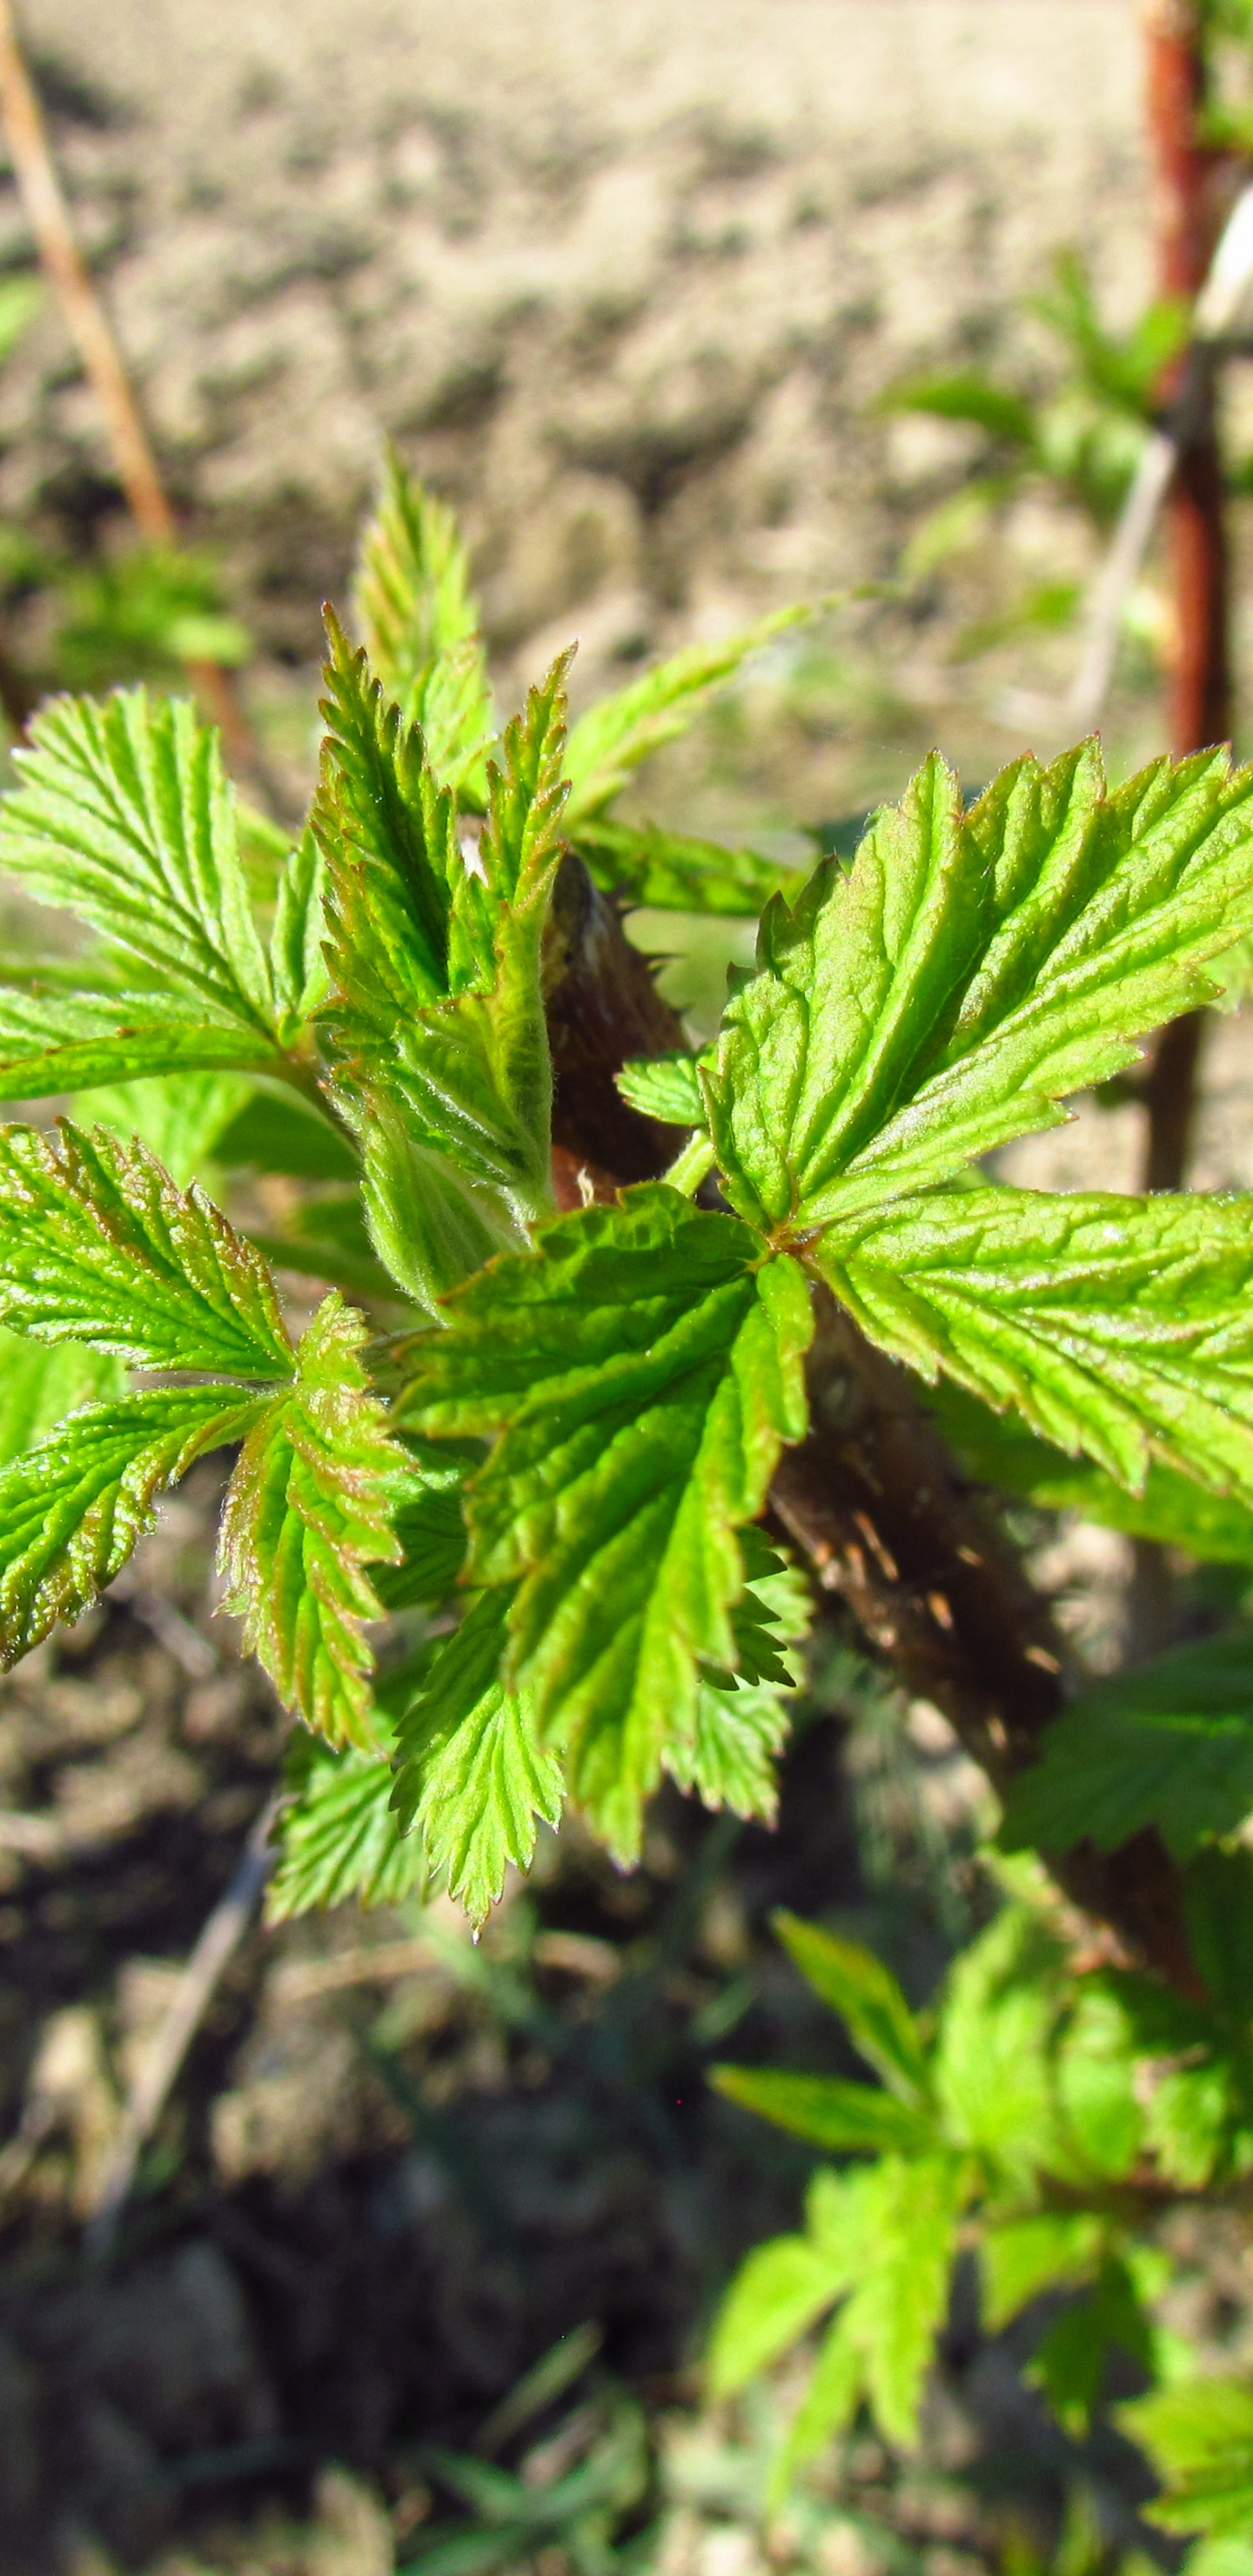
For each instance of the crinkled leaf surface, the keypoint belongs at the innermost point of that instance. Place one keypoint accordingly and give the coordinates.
(471, 1772)
(642, 1371)
(308, 1509)
(297, 963)
(124, 815)
(969, 971)
(72, 1508)
(1118, 1326)
(98, 1246)
(1169, 1743)
(440, 1025)
(665, 1087)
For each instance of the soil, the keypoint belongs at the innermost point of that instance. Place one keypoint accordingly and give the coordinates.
(627, 283)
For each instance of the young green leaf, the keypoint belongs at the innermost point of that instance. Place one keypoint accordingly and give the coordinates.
(54, 1041)
(307, 1510)
(124, 815)
(900, 2300)
(72, 1508)
(787, 2284)
(180, 1122)
(1169, 1743)
(297, 964)
(1025, 2256)
(642, 1371)
(97, 1246)
(997, 1449)
(647, 863)
(855, 2119)
(865, 1994)
(340, 1839)
(969, 972)
(619, 732)
(420, 626)
(471, 1773)
(1199, 2436)
(38, 1387)
(992, 2066)
(428, 1523)
(741, 1727)
(441, 1026)
(665, 1087)
(1118, 1326)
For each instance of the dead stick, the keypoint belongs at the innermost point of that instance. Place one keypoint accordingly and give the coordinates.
(196, 1988)
(136, 466)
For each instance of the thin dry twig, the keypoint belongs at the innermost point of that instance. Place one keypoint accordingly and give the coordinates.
(162, 2061)
(89, 327)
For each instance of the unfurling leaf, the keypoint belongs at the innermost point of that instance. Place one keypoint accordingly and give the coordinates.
(1118, 1326)
(97, 1246)
(420, 627)
(643, 1371)
(307, 1510)
(440, 1026)
(968, 972)
(471, 1773)
(72, 1508)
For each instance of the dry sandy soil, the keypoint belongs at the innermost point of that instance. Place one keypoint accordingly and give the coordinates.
(625, 279)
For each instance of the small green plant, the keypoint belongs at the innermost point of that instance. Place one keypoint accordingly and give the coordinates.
(534, 1504)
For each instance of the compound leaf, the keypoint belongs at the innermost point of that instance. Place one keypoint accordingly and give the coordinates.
(124, 814)
(856, 2119)
(1199, 2436)
(865, 1994)
(619, 732)
(1168, 1744)
(1117, 1326)
(98, 1246)
(969, 971)
(997, 1449)
(900, 2301)
(471, 1772)
(642, 1370)
(780, 2291)
(72, 1508)
(308, 1509)
(647, 863)
(340, 1839)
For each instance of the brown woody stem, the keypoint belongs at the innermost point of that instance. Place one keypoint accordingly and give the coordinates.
(872, 1496)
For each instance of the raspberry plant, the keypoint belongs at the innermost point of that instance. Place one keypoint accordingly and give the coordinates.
(630, 1354)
